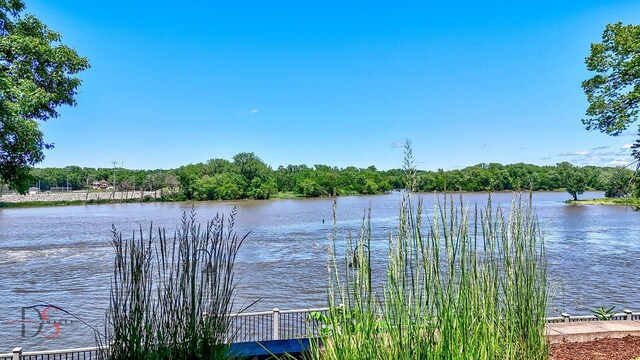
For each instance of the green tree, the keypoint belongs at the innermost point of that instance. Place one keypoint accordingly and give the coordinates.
(262, 190)
(188, 177)
(36, 77)
(310, 188)
(258, 182)
(155, 180)
(573, 180)
(614, 92)
(635, 148)
(218, 166)
(616, 182)
(251, 166)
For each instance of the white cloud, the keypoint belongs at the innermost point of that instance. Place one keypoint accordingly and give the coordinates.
(626, 146)
(582, 152)
(619, 162)
(253, 111)
(397, 144)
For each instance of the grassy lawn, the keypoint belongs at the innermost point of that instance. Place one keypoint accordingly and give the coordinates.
(635, 202)
(287, 195)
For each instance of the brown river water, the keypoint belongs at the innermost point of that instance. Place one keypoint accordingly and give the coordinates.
(62, 256)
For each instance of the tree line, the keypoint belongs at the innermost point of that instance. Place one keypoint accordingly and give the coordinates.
(246, 176)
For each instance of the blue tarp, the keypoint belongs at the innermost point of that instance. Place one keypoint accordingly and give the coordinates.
(271, 347)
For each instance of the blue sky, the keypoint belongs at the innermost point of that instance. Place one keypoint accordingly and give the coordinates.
(336, 83)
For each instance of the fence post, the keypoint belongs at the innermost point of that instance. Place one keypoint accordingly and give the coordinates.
(566, 317)
(16, 353)
(628, 313)
(276, 324)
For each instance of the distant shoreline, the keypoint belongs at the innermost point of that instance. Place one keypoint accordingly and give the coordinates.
(46, 199)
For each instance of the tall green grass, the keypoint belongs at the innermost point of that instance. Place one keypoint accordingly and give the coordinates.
(170, 297)
(461, 284)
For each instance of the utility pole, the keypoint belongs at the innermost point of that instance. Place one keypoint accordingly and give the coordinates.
(67, 169)
(114, 174)
(122, 164)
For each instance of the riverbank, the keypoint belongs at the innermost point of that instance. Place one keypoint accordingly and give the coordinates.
(44, 199)
(48, 199)
(633, 202)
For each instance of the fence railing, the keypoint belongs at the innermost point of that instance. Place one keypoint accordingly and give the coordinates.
(264, 326)
(274, 325)
(565, 317)
(245, 327)
(68, 354)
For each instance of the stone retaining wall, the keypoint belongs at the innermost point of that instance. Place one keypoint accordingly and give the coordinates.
(78, 196)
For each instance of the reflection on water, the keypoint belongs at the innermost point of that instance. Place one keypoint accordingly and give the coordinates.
(62, 255)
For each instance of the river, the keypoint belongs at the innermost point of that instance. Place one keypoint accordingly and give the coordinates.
(62, 255)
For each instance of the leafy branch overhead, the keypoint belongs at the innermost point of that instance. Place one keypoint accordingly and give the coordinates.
(614, 92)
(36, 77)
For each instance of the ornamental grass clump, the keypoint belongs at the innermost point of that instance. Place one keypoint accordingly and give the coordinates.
(170, 296)
(461, 284)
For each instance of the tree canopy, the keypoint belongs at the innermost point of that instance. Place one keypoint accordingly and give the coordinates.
(36, 77)
(614, 92)
(573, 180)
(247, 176)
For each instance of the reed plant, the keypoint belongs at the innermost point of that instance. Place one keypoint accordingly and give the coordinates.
(171, 296)
(461, 284)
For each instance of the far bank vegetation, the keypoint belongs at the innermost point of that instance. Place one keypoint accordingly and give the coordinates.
(246, 176)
